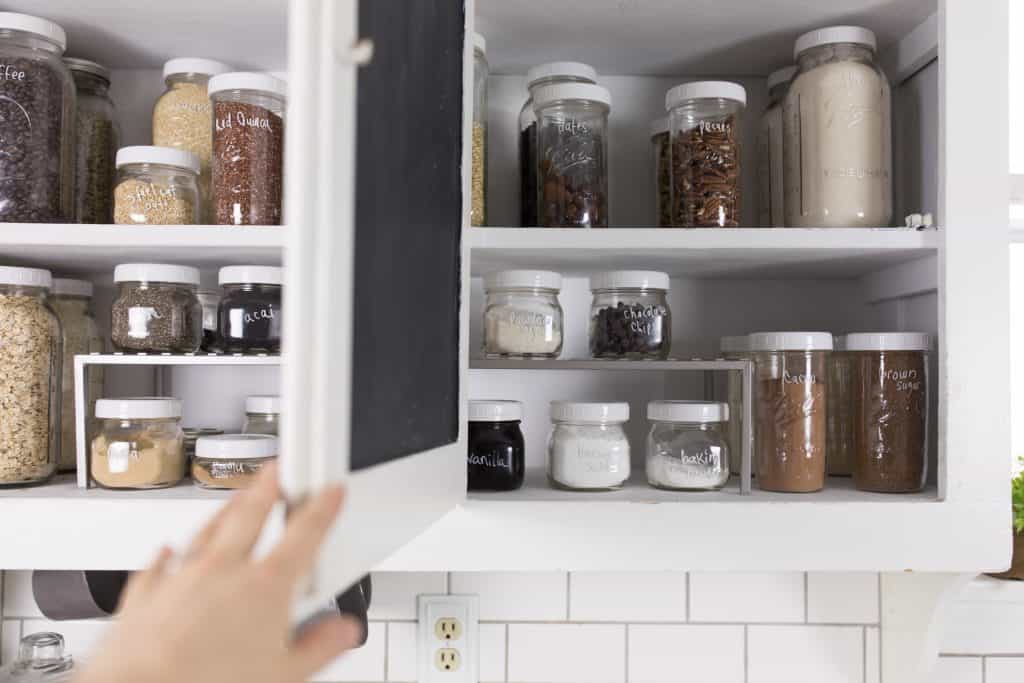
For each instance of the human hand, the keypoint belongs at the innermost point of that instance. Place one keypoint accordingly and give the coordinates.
(222, 615)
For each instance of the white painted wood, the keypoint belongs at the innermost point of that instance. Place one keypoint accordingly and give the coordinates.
(902, 280)
(911, 52)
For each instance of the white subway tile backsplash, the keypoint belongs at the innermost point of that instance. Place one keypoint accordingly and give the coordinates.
(567, 653)
(983, 627)
(776, 597)
(18, 600)
(957, 670)
(805, 654)
(492, 653)
(627, 596)
(685, 654)
(1004, 669)
(515, 596)
(363, 664)
(10, 636)
(842, 598)
(80, 637)
(873, 654)
(394, 593)
(402, 651)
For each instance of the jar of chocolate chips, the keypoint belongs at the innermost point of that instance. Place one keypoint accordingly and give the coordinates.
(248, 148)
(156, 309)
(249, 316)
(704, 118)
(572, 155)
(629, 316)
(37, 122)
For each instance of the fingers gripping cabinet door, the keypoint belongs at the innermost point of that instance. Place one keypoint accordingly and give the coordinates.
(376, 282)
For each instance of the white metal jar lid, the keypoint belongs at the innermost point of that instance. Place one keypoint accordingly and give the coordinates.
(88, 66)
(26, 277)
(791, 341)
(149, 154)
(838, 342)
(687, 411)
(523, 279)
(156, 272)
(574, 411)
(889, 341)
(479, 42)
(236, 446)
(831, 35)
(659, 126)
(780, 76)
(63, 286)
(248, 80)
(571, 91)
(263, 404)
(705, 90)
(734, 344)
(579, 70)
(495, 411)
(43, 28)
(241, 275)
(630, 279)
(150, 408)
(194, 65)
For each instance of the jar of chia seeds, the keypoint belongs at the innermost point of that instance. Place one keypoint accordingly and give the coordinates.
(262, 415)
(96, 142)
(249, 315)
(156, 186)
(156, 309)
(232, 461)
(629, 316)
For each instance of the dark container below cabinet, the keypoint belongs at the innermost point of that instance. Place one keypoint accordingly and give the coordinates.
(496, 460)
(249, 315)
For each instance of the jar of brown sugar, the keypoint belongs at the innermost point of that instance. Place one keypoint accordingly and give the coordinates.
(891, 410)
(790, 401)
(231, 461)
(140, 444)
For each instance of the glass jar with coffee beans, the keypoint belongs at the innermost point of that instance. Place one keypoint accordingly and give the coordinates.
(249, 315)
(156, 309)
(704, 118)
(156, 186)
(96, 141)
(572, 155)
(629, 316)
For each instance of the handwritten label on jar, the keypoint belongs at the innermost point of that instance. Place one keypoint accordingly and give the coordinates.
(119, 456)
(242, 120)
(138, 321)
(261, 314)
(799, 378)
(905, 380)
(492, 460)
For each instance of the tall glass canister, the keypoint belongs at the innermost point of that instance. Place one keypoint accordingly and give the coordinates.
(771, 198)
(96, 142)
(478, 189)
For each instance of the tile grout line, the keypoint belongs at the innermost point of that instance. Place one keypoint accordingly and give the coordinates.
(625, 659)
(687, 597)
(507, 648)
(387, 649)
(864, 652)
(807, 609)
(746, 654)
(568, 596)
(881, 640)
(984, 669)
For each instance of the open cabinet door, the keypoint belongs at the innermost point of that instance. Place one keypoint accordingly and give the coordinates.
(376, 338)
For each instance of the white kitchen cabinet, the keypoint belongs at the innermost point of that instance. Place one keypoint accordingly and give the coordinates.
(946, 61)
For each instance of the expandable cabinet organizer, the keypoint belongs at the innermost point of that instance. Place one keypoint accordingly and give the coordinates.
(383, 295)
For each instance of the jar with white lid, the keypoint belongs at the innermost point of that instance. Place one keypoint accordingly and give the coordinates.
(538, 77)
(588, 449)
(522, 316)
(248, 147)
(38, 122)
(232, 461)
(837, 127)
(841, 406)
(705, 119)
(156, 186)
(496, 454)
(572, 155)
(629, 315)
(140, 444)
(30, 377)
(735, 348)
(42, 658)
(96, 142)
(72, 301)
(249, 314)
(478, 180)
(661, 158)
(771, 200)
(262, 415)
(791, 392)
(686, 445)
(156, 309)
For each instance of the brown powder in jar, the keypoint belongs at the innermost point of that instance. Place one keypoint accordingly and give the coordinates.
(248, 157)
(791, 433)
(141, 463)
(227, 474)
(891, 436)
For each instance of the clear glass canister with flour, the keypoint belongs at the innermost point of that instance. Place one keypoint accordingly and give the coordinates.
(522, 316)
(140, 444)
(686, 446)
(96, 142)
(156, 186)
(837, 133)
(588, 449)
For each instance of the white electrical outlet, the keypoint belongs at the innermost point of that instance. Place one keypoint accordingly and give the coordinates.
(447, 639)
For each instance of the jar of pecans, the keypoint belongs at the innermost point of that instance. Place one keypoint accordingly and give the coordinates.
(629, 316)
(156, 309)
(704, 118)
(156, 186)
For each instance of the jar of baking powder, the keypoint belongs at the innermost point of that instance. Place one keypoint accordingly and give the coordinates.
(588, 449)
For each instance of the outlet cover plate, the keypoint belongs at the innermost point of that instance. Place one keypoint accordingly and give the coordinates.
(433, 608)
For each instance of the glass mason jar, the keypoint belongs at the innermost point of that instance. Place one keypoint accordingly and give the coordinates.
(30, 377)
(42, 658)
(183, 118)
(705, 121)
(248, 148)
(140, 444)
(661, 157)
(735, 348)
(686, 446)
(193, 434)
(538, 77)
(629, 315)
(72, 301)
(156, 186)
(572, 155)
(790, 400)
(478, 189)
(232, 461)
(249, 316)
(891, 400)
(841, 406)
(771, 196)
(37, 123)
(156, 309)
(262, 415)
(496, 460)
(837, 126)
(96, 141)
(522, 316)
(588, 449)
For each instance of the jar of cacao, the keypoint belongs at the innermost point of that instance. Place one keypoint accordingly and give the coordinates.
(629, 315)
(249, 314)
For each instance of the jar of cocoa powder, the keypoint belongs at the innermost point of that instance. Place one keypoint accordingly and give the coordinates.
(891, 429)
(790, 426)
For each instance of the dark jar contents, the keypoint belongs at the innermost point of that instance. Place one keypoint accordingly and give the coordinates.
(891, 413)
(156, 309)
(496, 460)
(629, 316)
(96, 142)
(249, 315)
(528, 176)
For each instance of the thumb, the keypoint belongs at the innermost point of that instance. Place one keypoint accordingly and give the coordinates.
(323, 642)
